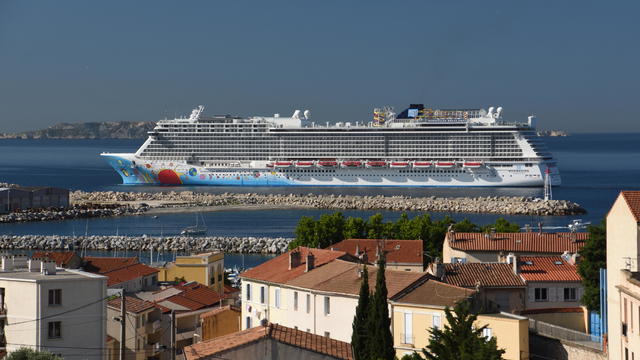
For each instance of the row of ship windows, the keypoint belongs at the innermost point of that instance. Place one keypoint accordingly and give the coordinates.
(337, 153)
(336, 138)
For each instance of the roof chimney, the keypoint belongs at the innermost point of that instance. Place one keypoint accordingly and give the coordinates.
(357, 250)
(294, 259)
(48, 268)
(437, 268)
(310, 262)
(513, 260)
(34, 265)
(7, 263)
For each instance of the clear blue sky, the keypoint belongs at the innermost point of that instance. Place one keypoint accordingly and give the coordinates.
(575, 64)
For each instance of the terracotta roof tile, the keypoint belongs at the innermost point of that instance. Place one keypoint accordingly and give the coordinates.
(396, 251)
(486, 274)
(277, 270)
(193, 296)
(62, 258)
(133, 305)
(128, 273)
(101, 265)
(342, 277)
(433, 292)
(301, 339)
(632, 198)
(547, 268)
(532, 242)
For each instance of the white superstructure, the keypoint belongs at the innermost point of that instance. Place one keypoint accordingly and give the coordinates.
(418, 147)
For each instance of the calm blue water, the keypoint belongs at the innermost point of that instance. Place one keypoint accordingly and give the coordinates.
(594, 168)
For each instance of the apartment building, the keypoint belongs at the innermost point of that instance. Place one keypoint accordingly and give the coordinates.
(205, 268)
(403, 255)
(623, 276)
(47, 308)
(487, 248)
(313, 290)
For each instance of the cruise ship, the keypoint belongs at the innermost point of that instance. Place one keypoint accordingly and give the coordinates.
(419, 146)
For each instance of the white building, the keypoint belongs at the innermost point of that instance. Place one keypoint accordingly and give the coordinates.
(312, 290)
(58, 310)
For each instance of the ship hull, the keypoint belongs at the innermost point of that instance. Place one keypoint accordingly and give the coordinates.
(135, 171)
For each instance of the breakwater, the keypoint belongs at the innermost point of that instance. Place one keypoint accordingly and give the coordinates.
(246, 245)
(507, 205)
(77, 211)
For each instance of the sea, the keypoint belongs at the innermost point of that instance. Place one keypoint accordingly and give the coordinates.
(594, 169)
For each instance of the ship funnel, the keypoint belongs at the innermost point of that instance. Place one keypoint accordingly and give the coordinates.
(490, 112)
(307, 115)
(498, 112)
(532, 121)
(296, 114)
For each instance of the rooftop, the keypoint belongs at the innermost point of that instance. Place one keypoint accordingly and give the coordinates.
(553, 243)
(190, 296)
(396, 251)
(102, 265)
(277, 270)
(432, 292)
(301, 339)
(62, 258)
(484, 274)
(343, 277)
(632, 198)
(35, 276)
(133, 305)
(547, 268)
(129, 273)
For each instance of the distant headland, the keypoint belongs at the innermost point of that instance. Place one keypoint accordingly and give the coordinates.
(552, 133)
(88, 130)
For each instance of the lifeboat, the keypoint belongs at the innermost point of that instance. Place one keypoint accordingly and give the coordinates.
(422, 164)
(398, 164)
(304, 164)
(351, 163)
(376, 164)
(445, 164)
(282, 164)
(269, 165)
(472, 164)
(327, 163)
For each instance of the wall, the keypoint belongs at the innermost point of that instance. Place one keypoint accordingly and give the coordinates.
(200, 268)
(222, 323)
(622, 241)
(509, 299)
(406, 267)
(544, 348)
(555, 295)
(570, 320)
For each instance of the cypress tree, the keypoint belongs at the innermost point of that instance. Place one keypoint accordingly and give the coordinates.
(380, 339)
(359, 337)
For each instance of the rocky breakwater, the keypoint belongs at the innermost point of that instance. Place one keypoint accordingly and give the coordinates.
(257, 245)
(488, 204)
(74, 212)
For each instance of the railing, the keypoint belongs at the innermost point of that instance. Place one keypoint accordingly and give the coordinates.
(561, 333)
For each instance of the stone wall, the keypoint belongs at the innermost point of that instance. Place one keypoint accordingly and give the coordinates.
(544, 348)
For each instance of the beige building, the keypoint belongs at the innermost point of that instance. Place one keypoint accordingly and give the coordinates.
(623, 285)
(312, 290)
(487, 248)
(420, 308)
(206, 268)
(33, 293)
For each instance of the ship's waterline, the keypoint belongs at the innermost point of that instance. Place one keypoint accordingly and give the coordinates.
(420, 147)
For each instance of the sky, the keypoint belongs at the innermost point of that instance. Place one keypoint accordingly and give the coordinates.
(574, 64)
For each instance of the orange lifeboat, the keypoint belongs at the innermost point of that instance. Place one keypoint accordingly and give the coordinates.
(445, 164)
(282, 164)
(327, 163)
(472, 164)
(351, 163)
(304, 164)
(422, 164)
(376, 164)
(399, 164)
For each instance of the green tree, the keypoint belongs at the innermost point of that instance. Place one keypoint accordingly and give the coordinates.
(329, 229)
(593, 257)
(30, 354)
(354, 228)
(375, 227)
(459, 340)
(466, 226)
(360, 333)
(380, 339)
(305, 233)
(502, 225)
(413, 356)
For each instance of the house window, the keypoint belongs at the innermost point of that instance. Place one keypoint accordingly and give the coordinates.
(327, 305)
(295, 301)
(262, 295)
(327, 334)
(541, 294)
(570, 294)
(277, 298)
(54, 330)
(408, 328)
(247, 322)
(55, 297)
(308, 303)
(249, 292)
(486, 332)
(436, 321)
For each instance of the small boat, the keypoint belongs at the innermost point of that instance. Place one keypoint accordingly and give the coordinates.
(327, 163)
(422, 164)
(445, 164)
(196, 229)
(351, 163)
(399, 164)
(282, 164)
(472, 164)
(376, 164)
(304, 164)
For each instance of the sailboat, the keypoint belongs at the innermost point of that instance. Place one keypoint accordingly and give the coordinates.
(196, 229)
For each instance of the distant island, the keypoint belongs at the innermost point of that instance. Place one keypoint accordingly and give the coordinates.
(552, 133)
(88, 130)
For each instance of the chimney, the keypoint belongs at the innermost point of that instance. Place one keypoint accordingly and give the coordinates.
(19, 262)
(34, 265)
(48, 267)
(7, 263)
(501, 257)
(574, 259)
(437, 268)
(294, 259)
(357, 250)
(513, 260)
(310, 262)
